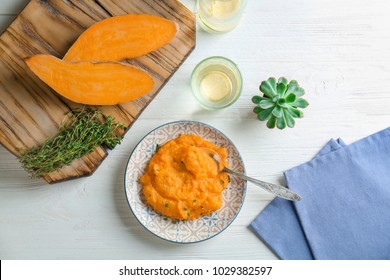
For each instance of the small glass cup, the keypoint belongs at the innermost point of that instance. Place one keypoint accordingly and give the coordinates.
(216, 82)
(218, 16)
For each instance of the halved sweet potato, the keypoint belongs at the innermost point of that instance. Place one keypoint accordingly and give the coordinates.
(102, 83)
(120, 37)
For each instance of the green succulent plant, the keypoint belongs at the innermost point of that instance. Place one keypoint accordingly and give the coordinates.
(279, 103)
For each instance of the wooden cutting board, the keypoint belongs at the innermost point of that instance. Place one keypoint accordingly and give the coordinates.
(30, 112)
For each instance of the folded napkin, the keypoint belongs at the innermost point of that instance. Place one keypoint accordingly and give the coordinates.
(345, 208)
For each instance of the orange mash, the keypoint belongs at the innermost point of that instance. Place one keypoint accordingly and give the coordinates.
(182, 181)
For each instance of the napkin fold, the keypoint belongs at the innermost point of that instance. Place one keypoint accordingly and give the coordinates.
(345, 208)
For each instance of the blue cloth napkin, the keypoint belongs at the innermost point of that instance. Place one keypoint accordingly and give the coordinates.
(345, 208)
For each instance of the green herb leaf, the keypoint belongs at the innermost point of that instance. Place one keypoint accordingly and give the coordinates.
(85, 130)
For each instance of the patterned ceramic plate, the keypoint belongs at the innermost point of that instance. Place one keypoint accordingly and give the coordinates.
(183, 231)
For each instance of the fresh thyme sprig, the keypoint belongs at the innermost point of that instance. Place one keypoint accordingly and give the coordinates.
(85, 130)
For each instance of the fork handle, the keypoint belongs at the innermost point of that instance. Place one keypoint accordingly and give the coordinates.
(277, 190)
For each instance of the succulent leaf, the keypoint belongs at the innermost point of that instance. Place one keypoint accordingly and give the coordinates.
(291, 98)
(283, 80)
(285, 105)
(257, 109)
(289, 119)
(269, 87)
(280, 102)
(265, 104)
(295, 112)
(281, 122)
(256, 99)
(277, 112)
(265, 114)
(271, 122)
(301, 103)
(272, 82)
(281, 89)
(291, 89)
(299, 92)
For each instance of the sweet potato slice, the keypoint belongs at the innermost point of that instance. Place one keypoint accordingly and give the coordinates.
(119, 37)
(103, 83)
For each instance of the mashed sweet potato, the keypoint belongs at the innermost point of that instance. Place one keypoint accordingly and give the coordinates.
(182, 181)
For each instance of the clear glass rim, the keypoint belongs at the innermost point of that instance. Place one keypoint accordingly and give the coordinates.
(207, 28)
(236, 70)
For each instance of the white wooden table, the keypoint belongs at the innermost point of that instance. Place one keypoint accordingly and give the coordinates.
(339, 51)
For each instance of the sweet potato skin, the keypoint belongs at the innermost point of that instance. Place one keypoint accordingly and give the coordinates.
(120, 37)
(93, 83)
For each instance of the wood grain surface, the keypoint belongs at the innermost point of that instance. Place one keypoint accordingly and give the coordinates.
(31, 112)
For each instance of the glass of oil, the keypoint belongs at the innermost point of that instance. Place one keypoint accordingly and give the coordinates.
(216, 82)
(218, 16)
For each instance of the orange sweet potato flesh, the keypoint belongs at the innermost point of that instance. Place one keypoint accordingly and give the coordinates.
(103, 83)
(119, 37)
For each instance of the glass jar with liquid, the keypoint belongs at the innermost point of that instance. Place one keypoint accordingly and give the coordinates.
(216, 16)
(216, 82)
